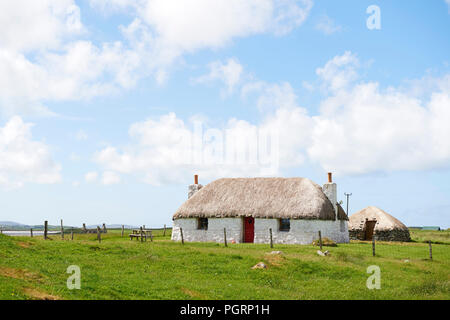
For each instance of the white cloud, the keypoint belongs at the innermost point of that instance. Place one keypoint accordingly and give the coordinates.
(196, 24)
(77, 73)
(38, 24)
(91, 176)
(367, 129)
(168, 149)
(43, 59)
(448, 3)
(23, 160)
(327, 25)
(109, 178)
(360, 128)
(229, 73)
(339, 72)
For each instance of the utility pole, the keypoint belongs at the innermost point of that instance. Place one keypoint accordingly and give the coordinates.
(348, 196)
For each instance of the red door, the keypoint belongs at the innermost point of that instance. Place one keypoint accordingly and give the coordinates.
(249, 229)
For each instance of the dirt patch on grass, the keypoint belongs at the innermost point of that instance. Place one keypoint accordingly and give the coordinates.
(325, 242)
(24, 244)
(20, 274)
(38, 294)
(275, 260)
(349, 257)
(193, 294)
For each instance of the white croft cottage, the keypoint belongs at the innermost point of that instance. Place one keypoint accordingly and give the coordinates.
(295, 209)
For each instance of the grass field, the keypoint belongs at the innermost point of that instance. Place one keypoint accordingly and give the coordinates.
(117, 268)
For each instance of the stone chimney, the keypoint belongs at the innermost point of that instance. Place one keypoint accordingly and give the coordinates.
(330, 190)
(193, 188)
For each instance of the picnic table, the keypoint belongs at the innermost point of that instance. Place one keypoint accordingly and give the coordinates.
(136, 233)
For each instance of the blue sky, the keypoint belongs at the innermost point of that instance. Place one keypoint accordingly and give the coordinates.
(95, 95)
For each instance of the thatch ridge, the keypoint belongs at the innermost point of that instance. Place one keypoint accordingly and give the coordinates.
(294, 198)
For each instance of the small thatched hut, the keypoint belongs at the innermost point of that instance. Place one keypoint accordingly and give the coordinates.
(295, 209)
(373, 221)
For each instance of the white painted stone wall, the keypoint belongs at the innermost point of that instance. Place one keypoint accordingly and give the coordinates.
(301, 232)
(213, 234)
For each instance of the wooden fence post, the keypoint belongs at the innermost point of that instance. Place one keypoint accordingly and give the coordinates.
(84, 228)
(271, 239)
(104, 228)
(71, 234)
(142, 235)
(31, 232)
(164, 234)
(151, 235)
(123, 229)
(62, 230)
(431, 251)
(45, 229)
(182, 239)
(320, 240)
(225, 236)
(99, 235)
(373, 245)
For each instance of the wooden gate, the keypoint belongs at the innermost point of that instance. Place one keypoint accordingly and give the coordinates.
(249, 229)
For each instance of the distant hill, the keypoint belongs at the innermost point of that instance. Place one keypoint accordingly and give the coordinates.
(15, 226)
(11, 224)
(111, 226)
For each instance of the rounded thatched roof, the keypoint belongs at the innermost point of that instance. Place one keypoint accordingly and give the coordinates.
(296, 198)
(385, 221)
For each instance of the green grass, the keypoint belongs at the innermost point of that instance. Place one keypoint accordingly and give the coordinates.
(442, 237)
(118, 268)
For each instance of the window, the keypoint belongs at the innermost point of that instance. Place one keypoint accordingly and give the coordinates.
(285, 224)
(202, 224)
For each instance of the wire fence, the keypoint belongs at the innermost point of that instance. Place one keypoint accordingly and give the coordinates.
(414, 250)
(399, 250)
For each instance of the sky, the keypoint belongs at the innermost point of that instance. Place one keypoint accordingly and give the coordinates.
(109, 107)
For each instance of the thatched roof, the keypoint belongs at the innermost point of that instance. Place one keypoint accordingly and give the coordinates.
(296, 198)
(385, 221)
(341, 213)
